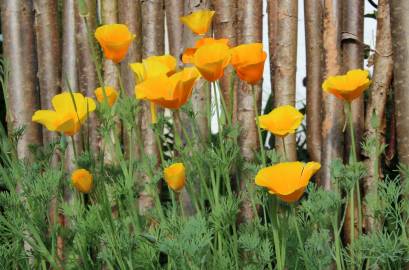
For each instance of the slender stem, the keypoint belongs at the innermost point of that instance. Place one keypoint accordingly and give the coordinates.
(224, 106)
(260, 138)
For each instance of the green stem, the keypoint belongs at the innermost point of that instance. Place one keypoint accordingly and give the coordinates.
(260, 138)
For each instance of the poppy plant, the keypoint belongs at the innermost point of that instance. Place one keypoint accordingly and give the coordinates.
(287, 180)
(211, 60)
(198, 21)
(169, 92)
(248, 61)
(349, 86)
(115, 40)
(282, 120)
(81, 179)
(110, 93)
(190, 52)
(70, 111)
(175, 176)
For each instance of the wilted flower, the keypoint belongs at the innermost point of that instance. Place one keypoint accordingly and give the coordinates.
(169, 92)
(115, 40)
(248, 61)
(211, 60)
(282, 120)
(67, 117)
(175, 176)
(287, 180)
(190, 52)
(349, 86)
(110, 93)
(198, 21)
(81, 179)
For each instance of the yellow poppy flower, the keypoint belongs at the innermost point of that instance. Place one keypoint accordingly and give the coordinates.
(169, 92)
(211, 60)
(248, 61)
(115, 40)
(110, 93)
(198, 21)
(282, 120)
(81, 179)
(190, 52)
(175, 176)
(349, 86)
(287, 180)
(154, 66)
(67, 117)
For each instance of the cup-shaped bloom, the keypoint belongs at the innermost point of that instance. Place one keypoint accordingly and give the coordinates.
(281, 121)
(154, 66)
(349, 86)
(248, 61)
(190, 52)
(110, 93)
(211, 60)
(115, 40)
(81, 179)
(70, 111)
(175, 176)
(169, 92)
(287, 180)
(198, 21)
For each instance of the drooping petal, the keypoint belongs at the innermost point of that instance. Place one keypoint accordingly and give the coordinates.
(47, 118)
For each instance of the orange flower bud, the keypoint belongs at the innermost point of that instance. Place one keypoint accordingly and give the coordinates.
(175, 176)
(198, 21)
(282, 120)
(115, 40)
(81, 179)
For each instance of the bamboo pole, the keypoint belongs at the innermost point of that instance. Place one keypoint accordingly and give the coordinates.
(225, 26)
(130, 14)
(249, 31)
(333, 115)
(285, 68)
(381, 81)
(48, 56)
(19, 49)
(313, 12)
(152, 44)
(400, 25)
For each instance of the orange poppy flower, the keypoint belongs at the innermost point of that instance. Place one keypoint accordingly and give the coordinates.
(110, 93)
(198, 21)
(169, 92)
(115, 40)
(211, 60)
(282, 120)
(190, 52)
(81, 179)
(287, 180)
(67, 117)
(248, 61)
(175, 176)
(349, 86)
